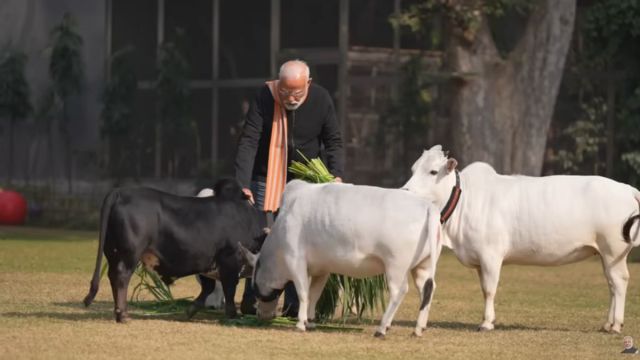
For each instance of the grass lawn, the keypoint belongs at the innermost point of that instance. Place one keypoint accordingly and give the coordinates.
(541, 313)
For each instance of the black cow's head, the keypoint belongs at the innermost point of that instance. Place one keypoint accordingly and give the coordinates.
(229, 189)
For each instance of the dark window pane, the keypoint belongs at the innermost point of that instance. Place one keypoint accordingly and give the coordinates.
(194, 17)
(201, 113)
(231, 115)
(244, 39)
(134, 24)
(140, 147)
(369, 23)
(309, 23)
(327, 77)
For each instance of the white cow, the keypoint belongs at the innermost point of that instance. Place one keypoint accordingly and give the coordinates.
(550, 220)
(358, 231)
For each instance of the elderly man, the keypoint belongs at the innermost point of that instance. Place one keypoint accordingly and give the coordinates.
(287, 115)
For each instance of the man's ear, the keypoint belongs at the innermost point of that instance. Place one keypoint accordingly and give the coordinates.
(249, 257)
(451, 165)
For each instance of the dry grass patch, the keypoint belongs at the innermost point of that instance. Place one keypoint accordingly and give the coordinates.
(542, 313)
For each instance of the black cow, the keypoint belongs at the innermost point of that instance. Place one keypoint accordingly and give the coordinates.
(176, 236)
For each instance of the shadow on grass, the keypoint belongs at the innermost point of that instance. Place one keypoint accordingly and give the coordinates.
(103, 310)
(456, 325)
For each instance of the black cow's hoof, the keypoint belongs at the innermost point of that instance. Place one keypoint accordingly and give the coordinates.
(231, 315)
(193, 309)
(248, 308)
(379, 335)
(122, 318)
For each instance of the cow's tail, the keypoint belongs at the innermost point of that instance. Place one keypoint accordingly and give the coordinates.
(630, 235)
(107, 204)
(433, 233)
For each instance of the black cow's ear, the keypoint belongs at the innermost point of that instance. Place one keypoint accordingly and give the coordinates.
(249, 257)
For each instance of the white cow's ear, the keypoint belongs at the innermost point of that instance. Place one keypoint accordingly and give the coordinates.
(451, 164)
(249, 257)
(436, 148)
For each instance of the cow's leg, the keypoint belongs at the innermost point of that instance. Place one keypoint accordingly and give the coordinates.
(207, 286)
(618, 277)
(229, 280)
(315, 290)
(398, 286)
(489, 273)
(301, 281)
(426, 286)
(612, 300)
(119, 277)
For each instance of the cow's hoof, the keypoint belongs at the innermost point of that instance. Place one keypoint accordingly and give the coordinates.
(311, 325)
(418, 332)
(301, 327)
(193, 309)
(485, 327)
(230, 312)
(606, 328)
(248, 308)
(616, 329)
(122, 318)
(379, 335)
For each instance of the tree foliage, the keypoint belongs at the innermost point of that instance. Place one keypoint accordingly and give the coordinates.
(15, 100)
(604, 59)
(65, 65)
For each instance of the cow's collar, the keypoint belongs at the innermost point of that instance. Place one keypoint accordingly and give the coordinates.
(445, 214)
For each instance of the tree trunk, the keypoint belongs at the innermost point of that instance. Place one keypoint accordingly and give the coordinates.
(158, 151)
(68, 151)
(611, 119)
(11, 127)
(50, 152)
(501, 109)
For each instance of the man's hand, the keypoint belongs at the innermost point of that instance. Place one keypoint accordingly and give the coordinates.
(337, 179)
(249, 194)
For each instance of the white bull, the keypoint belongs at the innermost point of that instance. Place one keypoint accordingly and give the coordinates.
(550, 220)
(358, 231)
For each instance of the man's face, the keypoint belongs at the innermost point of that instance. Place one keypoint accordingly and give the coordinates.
(628, 342)
(293, 91)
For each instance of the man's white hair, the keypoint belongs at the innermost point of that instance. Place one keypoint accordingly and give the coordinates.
(294, 69)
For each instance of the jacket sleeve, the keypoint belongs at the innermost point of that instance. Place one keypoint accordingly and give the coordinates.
(332, 140)
(248, 142)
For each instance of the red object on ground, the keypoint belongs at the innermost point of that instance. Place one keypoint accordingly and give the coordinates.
(13, 208)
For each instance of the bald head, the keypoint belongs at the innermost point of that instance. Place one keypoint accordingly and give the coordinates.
(294, 70)
(293, 84)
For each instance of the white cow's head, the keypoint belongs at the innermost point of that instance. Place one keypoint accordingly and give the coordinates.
(433, 175)
(262, 283)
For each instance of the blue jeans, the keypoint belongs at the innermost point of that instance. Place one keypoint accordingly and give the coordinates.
(291, 304)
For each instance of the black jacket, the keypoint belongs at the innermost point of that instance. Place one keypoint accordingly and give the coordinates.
(313, 124)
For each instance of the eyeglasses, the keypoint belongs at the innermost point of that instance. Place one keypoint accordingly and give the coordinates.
(296, 94)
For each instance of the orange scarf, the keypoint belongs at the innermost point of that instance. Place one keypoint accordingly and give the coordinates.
(277, 165)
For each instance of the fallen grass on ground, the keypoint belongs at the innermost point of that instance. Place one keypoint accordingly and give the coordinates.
(541, 313)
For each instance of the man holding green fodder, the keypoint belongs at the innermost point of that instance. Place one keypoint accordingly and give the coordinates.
(290, 118)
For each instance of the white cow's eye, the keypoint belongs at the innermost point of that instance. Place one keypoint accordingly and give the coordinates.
(433, 172)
